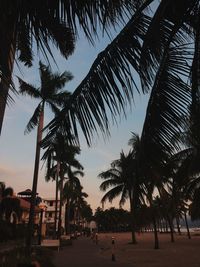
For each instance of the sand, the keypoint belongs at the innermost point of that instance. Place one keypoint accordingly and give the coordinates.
(182, 253)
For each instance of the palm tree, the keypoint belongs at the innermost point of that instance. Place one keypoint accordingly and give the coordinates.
(58, 149)
(26, 23)
(123, 179)
(52, 174)
(86, 213)
(79, 203)
(2, 188)
(149, 169)
(71, 186)
(49, 94)
(9, 205)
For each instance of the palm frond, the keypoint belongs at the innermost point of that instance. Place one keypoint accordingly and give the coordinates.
(112, 194)
(112, 182)
(24, 45)
(123, 198)
(28, 89)
(89, 15)
(51, 83)
(53, 107)
(60, 98)
(114, 173)
(161, 35)
(58, 81)
(168, 104)
(108, 85)
(134, 139)
(33, 122)
(6, 85)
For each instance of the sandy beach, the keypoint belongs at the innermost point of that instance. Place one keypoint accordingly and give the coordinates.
(182, 253)
(84, 252)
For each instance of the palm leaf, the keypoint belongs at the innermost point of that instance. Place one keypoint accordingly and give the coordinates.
(33, 122)
(56, 23)
(89, 15)
(5, 96)
(112, 194)
(24, 45)
(60, 98)
(160, 35)
(168, 105)
(110, 183)
(51, 83)
(28, 89)
(114, 173)
(123, 198)
(53, 107)
(108, 85)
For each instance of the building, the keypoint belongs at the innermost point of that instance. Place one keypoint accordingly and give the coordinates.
(25, 199)
(49, 212)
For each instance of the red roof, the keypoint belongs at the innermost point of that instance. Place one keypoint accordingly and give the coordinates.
(25, 205)
(27, 192)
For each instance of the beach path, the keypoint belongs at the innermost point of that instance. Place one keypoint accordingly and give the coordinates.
(84, 252)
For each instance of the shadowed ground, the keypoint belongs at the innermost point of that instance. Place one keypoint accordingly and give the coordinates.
(84, 252)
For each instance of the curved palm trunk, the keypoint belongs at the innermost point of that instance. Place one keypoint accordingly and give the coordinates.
(35, 181)
(61, 202)
(7, 56)
(56, 206)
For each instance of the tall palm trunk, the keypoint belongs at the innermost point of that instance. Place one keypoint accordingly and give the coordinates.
(156, 244)
(196, 81)
(56, 206)
(35, 180)
(132, 219)
(61, 202)
(186, 222)
(66, 208)
(7, 56)
(67, 216)
(178, 225)
(170, 221)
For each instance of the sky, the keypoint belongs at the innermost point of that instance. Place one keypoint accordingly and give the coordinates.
(17, 151)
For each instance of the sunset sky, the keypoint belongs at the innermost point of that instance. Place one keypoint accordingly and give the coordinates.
(17, 150)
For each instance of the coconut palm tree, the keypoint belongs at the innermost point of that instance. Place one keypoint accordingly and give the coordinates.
(2, 188)
(149, 169)
(72, 185)
(78, 203)
(49, 94)
(10, 205)
(25, 25)
(61, 151)
(52, 174)
(123, 179)
(86, 213)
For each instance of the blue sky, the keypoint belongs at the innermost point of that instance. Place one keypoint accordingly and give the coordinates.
(18, 150)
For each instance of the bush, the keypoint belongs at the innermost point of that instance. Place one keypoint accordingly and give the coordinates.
(6, 231)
